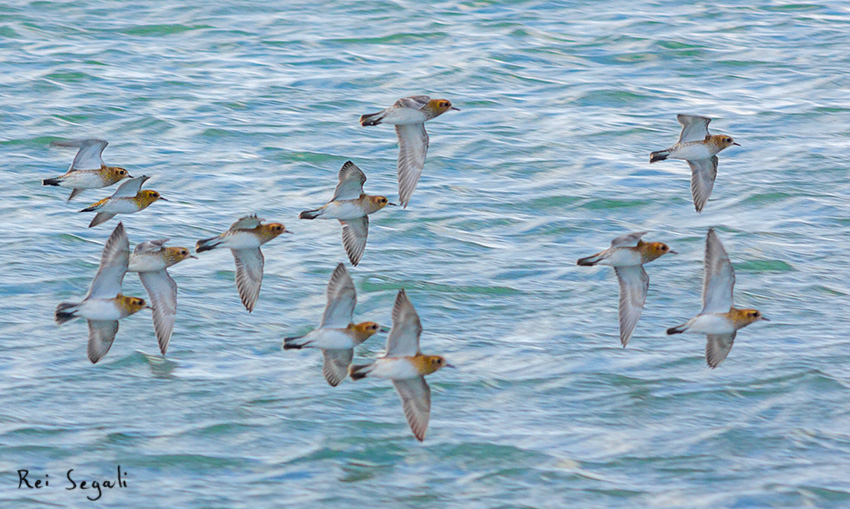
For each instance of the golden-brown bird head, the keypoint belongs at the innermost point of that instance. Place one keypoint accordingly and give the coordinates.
(146, 197)
(428, 364)
(114, 174)
(654, 250)
(364, 330)
(440, 106)
(270, 231)
(744, 317)
(721, 141)
(376, 203)
(174, 255)
(130, 305)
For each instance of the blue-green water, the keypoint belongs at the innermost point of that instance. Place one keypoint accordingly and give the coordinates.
(235, 108)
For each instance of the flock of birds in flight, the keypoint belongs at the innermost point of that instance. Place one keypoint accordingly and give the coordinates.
(337, 335)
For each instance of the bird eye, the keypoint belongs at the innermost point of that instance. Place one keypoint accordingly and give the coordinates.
(184, 252)
(664, 248)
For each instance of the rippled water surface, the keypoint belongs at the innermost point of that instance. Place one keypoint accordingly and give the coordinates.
(238, 107)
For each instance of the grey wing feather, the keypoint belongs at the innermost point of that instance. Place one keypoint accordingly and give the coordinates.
(403, 340)
(416, 399)
(246, 223)
(89, 154)
(113, 266)
(628, 240)
(130, 187)
(335, 366)
(694, 128)
(351, 180)
(342, 298)
(163, 296)
(151, 246)
(249, 275)
(703, 173)
(415, 102)
(634, 284)
(354, 235)
(412, 149)
(101, 336)
(717, 347)
(719, 279)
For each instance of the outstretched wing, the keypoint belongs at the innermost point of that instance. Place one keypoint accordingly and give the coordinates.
(403, 340)
(703, 173)
(628, 240)
(717, 347)
(351, 180)
(150, 246)
(249, 275)
(719, 280)
(342, 297)
(247, 223)
(416, 399)
(163, 296)
(89, 154)
(694, 128)
(101, 336)
(416, 102)
(336, 362)
(354, 235)
(412, 149)
(634, 283)
(113, 265)
(130, 187)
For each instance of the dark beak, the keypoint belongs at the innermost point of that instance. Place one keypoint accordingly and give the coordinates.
(287, 231)
(451, 366)
(765, 319)
(164, 199)
(733, 143)
(672, 252)
(192, 256)
(384, 329)
(393, 204)
(453, 108)
(130, 176)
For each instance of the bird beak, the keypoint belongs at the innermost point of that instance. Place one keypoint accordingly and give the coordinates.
(147, 307)
(130, 176)
(384, 329)
(164, 199)
(733, 143)
(672, 252)
(193, 256)
(393, 204)
(765, 319)
(287, 231)
(451, 366)
(453, 108)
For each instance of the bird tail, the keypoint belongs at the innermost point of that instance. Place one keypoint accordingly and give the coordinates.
(677, 329)
(589, 261)
(360, 371)
(100, 218)
(658, 155)
(51, 182)
(310, 214)
(207, 244)
(294, 343)
(65, 312)
(371, 119)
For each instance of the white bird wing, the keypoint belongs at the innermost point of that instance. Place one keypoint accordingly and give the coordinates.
(351, 180)
(694, 128)
(719, 279)
(416, 102)
(335, 367)
(342, 297)
(412, 149)
(634, 283)
(416, 400)
(162, 291)
(403, 340)
(703, 173)
(246, 223)
(101, 336)
(89, 154)
(150, 246)
(249, 275)
(717, 347)
(354, 235)
(130, 187)
(628, 240)
(113, 265)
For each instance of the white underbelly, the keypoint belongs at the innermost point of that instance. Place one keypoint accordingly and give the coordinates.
(329, 339)
(99, 309)
(404, 116)
(711, 323)
(84, 179)
(623, 257)
(394, 368)
(347, 209)
(120, 206)
(691, 152)
(241, 240)
(147, 262)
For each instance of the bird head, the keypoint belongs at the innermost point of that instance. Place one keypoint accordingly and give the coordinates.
(440, 106)
(744, 317)
(654, 250)
(365, 330)
(148, 196)
(116, 173)
(432, 363)
(174, 255)
(271, 230)
(379, 202)
(130, 305)
(723, 141)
